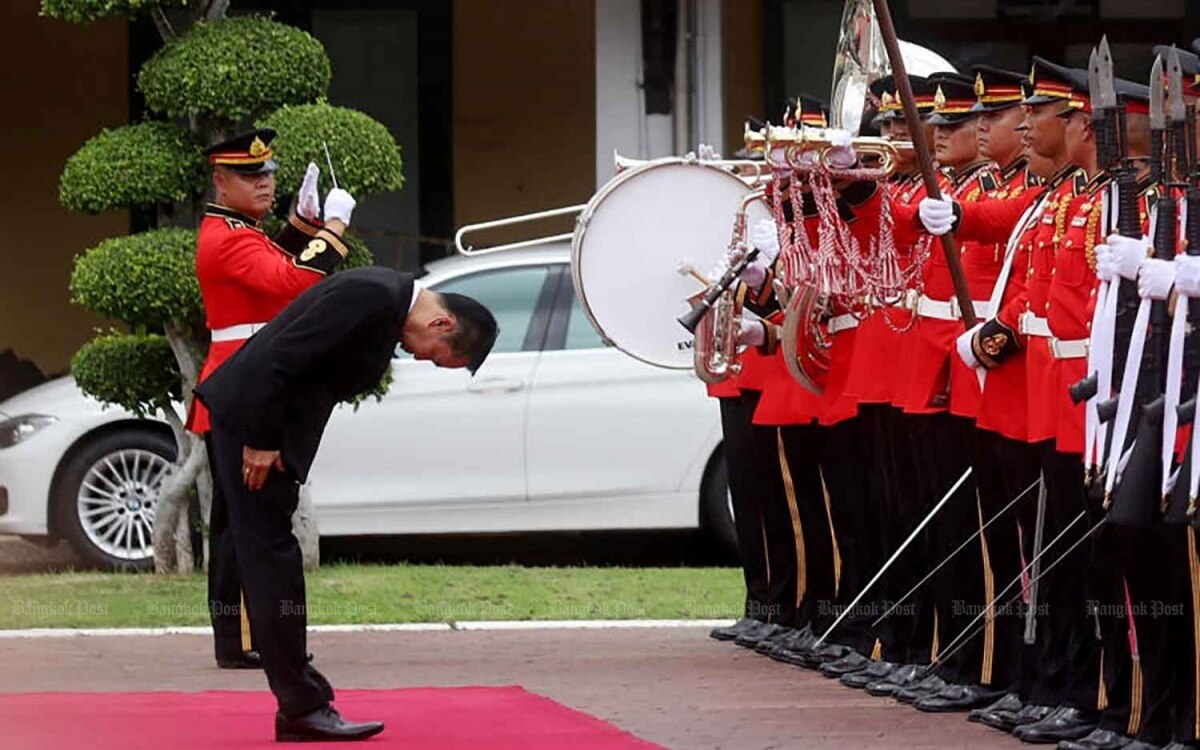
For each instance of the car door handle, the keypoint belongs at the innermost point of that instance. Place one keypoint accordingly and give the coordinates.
(496, 385)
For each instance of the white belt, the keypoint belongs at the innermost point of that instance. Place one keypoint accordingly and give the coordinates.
(949, 309)
(1032, 325)
(1073, 349)
(238, 332)
(840, 323)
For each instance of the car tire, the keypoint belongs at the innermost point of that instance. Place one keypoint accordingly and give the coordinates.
(716, 510)
(105, 494)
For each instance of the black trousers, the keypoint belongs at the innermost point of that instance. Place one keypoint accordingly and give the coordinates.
(1003, 469)
(1068, 646)
(272, 572)
(805, 495)
(224, 583)
(855, 522)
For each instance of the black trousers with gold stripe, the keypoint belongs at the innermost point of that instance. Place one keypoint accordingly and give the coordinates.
(231, 627)
(744, 493)
(808, 505)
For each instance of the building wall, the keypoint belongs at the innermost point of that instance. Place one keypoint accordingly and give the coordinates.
(524, 110)
(742, 28)
(80, 86)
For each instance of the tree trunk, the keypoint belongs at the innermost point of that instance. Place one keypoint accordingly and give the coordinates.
(172, 537)
(304, 528)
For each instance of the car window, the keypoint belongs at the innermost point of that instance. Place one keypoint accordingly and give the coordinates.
(510, 293)
(580, 332)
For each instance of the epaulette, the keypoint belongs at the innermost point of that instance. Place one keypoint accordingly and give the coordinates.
(233, 219)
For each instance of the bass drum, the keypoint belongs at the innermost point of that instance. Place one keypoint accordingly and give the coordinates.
(631, 240)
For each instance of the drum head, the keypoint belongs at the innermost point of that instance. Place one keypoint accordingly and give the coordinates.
(630, 241)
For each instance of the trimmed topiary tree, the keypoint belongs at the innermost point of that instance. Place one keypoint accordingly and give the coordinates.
(212, 77)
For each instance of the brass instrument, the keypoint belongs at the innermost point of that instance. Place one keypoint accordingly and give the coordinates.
(716, 314)
(805, 146)
(750, 171)
(468, 228)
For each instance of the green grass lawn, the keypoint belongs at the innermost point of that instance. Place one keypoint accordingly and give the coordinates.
(344, 594)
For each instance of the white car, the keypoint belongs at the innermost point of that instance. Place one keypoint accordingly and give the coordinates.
(556, 432)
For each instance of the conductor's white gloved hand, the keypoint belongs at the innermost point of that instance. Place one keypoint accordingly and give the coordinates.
(308, 201)
(339, 205)
(1155, 278)
(963, 345)
(706, 152)
(765, 237)
(1187, 275)
(1128, 253)
(1106, 264)
(937, 215)
(751, 331)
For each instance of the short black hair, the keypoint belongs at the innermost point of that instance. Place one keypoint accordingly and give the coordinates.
(475, 329)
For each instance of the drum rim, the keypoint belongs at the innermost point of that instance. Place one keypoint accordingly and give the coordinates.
(584, 218)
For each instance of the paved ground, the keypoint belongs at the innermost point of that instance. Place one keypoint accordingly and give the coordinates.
(675, 687)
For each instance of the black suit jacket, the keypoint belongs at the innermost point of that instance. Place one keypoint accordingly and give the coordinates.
(330, 344)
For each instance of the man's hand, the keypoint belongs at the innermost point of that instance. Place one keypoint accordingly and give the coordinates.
(1127, 254)
(339, 205)
(751, 331)
(1187, 275)
(937, 215)
(1155, 278)
(257, 464)
(1106, 265)
(963, 345)
(308, 201)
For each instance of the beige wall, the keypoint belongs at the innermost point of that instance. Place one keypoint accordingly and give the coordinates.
(65, 82)
(524, 110)
(742, 29)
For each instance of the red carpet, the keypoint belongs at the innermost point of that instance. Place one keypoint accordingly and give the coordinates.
(471, 718)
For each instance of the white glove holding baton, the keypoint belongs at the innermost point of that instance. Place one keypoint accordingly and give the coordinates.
(1155, 278)
(339, 205)
(1187, 275)
(937, 215)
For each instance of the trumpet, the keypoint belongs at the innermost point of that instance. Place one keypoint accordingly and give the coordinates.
(750, 171)
(715, 349)
(804, 146)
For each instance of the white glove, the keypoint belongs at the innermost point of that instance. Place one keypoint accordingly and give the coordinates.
(308, 201)
(1128, 253)
(963, 345)
(1187, 275)
(339, 205)
(754, 274)
(706, 152)
(937, 215)
(751, 331)
(1106, 264)
(841, 157)
(765, 237)
(1155, 278)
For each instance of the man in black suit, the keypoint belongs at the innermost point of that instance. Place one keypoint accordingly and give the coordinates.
(269, 404)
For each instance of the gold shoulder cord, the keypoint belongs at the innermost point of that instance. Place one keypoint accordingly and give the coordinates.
(1093, 225)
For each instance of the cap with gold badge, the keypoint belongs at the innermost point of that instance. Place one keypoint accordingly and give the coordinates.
(248, 152)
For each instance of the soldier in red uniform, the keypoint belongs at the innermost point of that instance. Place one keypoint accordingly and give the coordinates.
(245, 279)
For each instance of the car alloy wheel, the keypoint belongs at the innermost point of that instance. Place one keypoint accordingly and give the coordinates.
(117, 499)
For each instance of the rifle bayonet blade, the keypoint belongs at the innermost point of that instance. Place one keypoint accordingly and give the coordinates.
(1094, 78)
(1158, 116)
(1178, 110)
(1108, 92)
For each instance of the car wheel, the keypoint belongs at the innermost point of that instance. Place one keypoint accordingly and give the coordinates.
(105, 498)
(716, 505)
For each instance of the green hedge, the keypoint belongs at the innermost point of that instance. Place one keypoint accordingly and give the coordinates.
(365, 156)
(143, 279)
(235, 68)
(135, 165)
(83, 11)
(136, 372)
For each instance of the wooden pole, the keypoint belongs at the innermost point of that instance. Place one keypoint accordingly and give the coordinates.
(916, 130)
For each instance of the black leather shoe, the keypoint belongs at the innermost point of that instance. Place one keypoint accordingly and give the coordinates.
(730, 632)
(958, 698)
(813, 658)
(323, 725)
(905, 675)
(750, 637)
(800, 640)
(1099, 739)
(1010, 703)
(848, 664)
(874, 672)
(931, 685)
(1062, 724)
(1136, 745)
(783, 635)
(247, 660)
